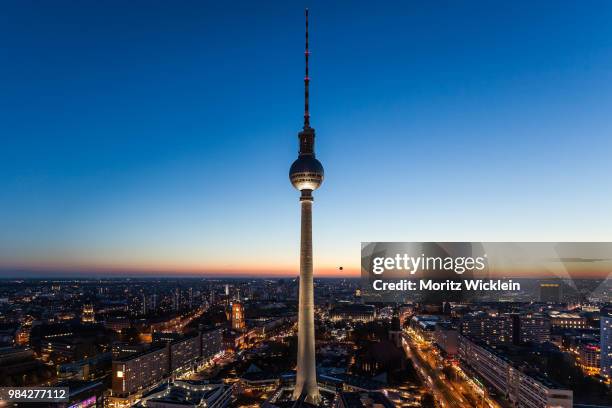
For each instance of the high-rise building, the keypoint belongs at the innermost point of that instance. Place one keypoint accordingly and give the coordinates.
(144, 304)
(534, 328)
(137, 371)
(606, 341)
(306, 175)
(212, 343)
(509, 328)
(589, 358)
(88, 315)
(492, 330)
(238, 316)
(176, 302)
(184, 353)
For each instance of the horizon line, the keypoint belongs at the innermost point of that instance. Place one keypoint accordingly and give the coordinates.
(29, 273)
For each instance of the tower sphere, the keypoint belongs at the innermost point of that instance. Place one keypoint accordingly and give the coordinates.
(306, 173)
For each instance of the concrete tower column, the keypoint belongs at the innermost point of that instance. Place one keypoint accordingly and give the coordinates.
(306, 380)
(306, 174)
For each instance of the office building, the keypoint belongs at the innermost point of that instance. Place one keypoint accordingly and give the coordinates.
(534, 328)
(489, 329)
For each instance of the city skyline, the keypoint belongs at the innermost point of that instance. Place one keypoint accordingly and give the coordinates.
(119, 342)
(130, 143)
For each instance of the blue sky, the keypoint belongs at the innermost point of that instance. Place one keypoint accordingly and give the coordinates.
(158, 135)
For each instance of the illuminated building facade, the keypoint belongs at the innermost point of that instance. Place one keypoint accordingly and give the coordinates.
(606, 342)
(568, 321)
(184, 353)
(238, 317)
(135, 372)
(212, 343)
(521, 389)
(117, 323)
(355, 312)
(534, 328)
(492, 330)
(589, 358)
(88, 315)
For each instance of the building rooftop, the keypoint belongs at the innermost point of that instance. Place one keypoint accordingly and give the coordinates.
(188, 393)
(141, 353)
(565, 315)
(355, 381)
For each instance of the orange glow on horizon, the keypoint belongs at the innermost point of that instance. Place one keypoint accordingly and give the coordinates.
(57, 268)
(253, 270)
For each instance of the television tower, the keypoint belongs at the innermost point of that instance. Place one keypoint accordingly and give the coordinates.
(306, 175)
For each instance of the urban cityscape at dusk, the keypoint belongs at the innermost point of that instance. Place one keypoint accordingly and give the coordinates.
(232, 342)
(175, 233)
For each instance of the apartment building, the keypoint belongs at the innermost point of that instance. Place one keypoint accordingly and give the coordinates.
(521, 389)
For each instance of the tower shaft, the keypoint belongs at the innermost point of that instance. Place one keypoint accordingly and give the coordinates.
(306, 379)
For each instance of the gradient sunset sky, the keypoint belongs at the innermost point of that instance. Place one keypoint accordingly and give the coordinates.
(156, 137)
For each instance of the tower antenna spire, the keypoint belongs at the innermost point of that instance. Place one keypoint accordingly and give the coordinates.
(306, 79)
